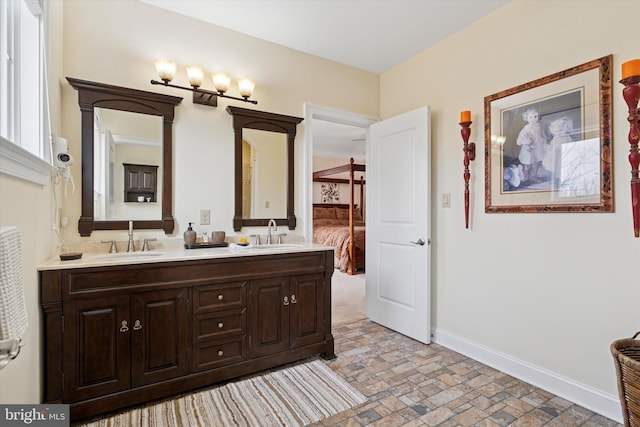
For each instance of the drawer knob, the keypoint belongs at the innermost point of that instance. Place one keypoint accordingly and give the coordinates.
(220, 353)
(220, 325)
(220, 297)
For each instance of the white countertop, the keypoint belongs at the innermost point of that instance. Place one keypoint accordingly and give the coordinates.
(169, 254)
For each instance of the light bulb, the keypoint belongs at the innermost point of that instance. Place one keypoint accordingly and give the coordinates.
(221, 81)
(166, 69)
(195, 76)
(246, 87)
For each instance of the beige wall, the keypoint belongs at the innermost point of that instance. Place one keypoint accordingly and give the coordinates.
(28, 207)
(550, 290)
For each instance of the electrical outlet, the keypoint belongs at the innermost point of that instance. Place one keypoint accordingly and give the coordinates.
(205, 217)
(446, 200)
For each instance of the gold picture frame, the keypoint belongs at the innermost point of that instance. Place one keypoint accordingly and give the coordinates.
(548, 143)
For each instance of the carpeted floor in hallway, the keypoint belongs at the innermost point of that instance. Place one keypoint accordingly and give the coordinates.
(347, 297)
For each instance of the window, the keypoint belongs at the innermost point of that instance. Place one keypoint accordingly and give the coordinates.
(24, 129)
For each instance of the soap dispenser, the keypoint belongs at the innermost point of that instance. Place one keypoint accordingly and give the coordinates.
(189, 236)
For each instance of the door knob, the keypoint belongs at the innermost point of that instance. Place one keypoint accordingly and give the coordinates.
(420, 242)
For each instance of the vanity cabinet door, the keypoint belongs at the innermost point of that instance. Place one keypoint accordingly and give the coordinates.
(159, 335)
(97, 347)
(268, 316)
(285, 313)
(306, 309)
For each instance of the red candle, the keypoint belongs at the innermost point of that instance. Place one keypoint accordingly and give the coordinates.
(465, 116)
(631, 68)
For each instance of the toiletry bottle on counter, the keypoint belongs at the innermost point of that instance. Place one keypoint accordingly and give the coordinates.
(189, 236)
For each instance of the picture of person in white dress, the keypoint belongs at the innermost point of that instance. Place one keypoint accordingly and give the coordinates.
(531, 140)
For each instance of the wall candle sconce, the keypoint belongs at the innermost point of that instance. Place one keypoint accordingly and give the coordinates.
(631, 94)
(469, 149)
(167, 71)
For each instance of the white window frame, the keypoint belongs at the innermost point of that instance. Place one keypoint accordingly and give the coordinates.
(28, 160)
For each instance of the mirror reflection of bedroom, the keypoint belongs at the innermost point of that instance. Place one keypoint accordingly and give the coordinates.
(339, 203)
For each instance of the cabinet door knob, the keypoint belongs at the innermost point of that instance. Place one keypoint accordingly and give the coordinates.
(286, 301)
(220, 297)
(220, 325)
(137, 325)
(220, 353)
(293, 299)
(124, 327)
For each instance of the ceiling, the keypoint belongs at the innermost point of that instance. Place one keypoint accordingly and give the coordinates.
(331, 139)
(372, 35)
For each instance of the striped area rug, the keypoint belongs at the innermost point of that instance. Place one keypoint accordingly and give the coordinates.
(294, 396)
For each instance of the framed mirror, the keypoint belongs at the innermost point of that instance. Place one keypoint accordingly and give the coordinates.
(127, 145)
(263, 160)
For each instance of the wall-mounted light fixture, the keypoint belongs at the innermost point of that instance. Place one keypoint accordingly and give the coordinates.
(631, 94)
(167, 71)
(469, 149)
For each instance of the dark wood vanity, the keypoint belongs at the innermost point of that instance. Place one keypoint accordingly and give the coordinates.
(122, 335)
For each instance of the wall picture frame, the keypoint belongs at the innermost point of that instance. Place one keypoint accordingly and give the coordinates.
(548, 143)
(330, 192)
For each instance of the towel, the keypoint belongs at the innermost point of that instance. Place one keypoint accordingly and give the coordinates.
(13, 311)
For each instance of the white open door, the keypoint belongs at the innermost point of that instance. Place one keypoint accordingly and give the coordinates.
(398, 218)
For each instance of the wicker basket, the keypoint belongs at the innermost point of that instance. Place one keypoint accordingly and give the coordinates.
(626, 355)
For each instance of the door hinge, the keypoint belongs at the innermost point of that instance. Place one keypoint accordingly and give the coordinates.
(63, 324)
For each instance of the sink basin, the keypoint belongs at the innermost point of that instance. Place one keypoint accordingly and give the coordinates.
(279, 246)
(128, 255)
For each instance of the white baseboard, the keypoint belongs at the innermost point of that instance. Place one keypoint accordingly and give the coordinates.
(595, 400)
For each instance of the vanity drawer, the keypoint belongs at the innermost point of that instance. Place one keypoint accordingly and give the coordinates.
(214, 354)
(224, 296)
(219, 324)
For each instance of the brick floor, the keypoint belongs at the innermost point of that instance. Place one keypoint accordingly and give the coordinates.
(408, 383)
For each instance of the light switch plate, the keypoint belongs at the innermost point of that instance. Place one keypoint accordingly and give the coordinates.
(205, 217)
(446, 200)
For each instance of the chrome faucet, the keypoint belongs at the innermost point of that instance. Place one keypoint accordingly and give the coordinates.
(113, 249)
(131, 247)
(275, 228)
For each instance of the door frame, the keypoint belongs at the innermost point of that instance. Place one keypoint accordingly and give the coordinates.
(314, 112)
